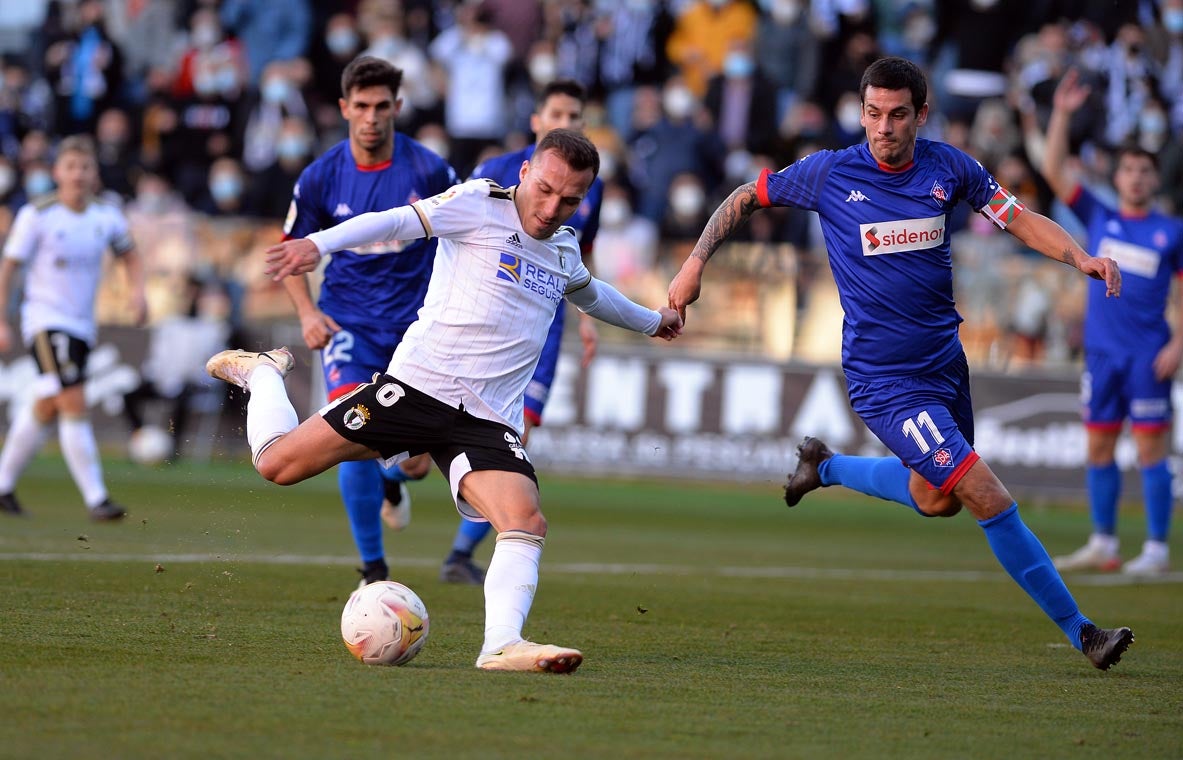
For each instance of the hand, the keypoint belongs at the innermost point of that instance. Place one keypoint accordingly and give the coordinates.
(671, 324)
(1167, 362)
(292, 257)
(1104, 269)
(5, 336)
(139, 310)
(318, 329)
(590, 337)
(686, 286)
(1070, 93)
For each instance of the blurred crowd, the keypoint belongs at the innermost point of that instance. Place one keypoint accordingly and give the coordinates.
(206, 111)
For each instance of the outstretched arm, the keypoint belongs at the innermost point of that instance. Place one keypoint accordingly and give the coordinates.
(1070, 95)
(1042, 234)
(687, 284)
(606, 303)
(301, 255)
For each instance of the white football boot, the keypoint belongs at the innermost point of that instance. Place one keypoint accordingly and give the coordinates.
(1100, 553)
(396, 504)
(528, 656)
(1155, 559)
(235, 366)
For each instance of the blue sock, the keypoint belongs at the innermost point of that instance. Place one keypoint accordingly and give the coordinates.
(1104, 484)
(1027, 562)
(468, 535)
(1156, 492)
(361, 492)
(884, 477)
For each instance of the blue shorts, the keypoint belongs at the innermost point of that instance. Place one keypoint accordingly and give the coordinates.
(354, 354)
(544, 374)
(1113, 388)
(926, 421)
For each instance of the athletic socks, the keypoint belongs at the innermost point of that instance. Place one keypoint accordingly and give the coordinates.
(1104, 484)
(883, 477)
(510, 584)
(361, 492)
(82, 457)
(25, 438)
(1027, 562)
(468, 534)
(269, 413)
(1156, 492)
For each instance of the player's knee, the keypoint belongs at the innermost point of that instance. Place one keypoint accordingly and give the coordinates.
(940, 505)
(276, 470)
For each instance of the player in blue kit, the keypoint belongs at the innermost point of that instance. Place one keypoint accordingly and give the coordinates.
(884, 206)
(559, 106)
(367, 300)
(1130, 354)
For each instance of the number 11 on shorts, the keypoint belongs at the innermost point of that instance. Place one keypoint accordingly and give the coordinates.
(912, 428)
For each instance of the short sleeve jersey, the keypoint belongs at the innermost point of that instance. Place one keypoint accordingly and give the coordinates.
(63, 250)
(886, 232)
(1149, 252)
(379, 285)
(493, 293)
(504, 170)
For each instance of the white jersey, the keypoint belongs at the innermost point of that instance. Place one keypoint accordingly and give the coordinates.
(63, 252)
(492, 296)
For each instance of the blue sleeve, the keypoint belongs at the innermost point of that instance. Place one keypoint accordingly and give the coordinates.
(975, 184)
(595, 196)
(799, 184)
(442, 178)
(1084, 204)
(304, 216)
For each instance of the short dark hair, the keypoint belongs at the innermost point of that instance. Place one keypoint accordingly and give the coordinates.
(895, 73)
(573, 147)
(1136, 151)
(568, 87)
(370, 71)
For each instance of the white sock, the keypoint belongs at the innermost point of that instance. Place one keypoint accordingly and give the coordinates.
(82, 456)
(25, 438)
(510, 583)
(269, 413)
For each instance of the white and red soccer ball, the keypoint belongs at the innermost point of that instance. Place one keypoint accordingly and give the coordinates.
(384, 623)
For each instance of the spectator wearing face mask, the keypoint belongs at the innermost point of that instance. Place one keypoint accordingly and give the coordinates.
(686, 212)
(385, 28)
(738, 100)
(293, 150)
(225, 190)
(211, 65)
(703, 33)
(627, 242)
(278, 99)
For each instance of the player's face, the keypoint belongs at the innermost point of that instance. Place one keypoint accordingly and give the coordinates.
(76, 175)
(558, 112)
(1135, 180)
(370, 112)
(548, 193)
(891, 123)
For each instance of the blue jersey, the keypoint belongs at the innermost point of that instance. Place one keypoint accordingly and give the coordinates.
(886, 232)
(1149, 252)
(361, 288)
(505, 170)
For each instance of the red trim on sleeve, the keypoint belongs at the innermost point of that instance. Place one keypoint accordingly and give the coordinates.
(762, 188)
(375, 167)
(959, 473)
(1074, 196)
(534, 417)
(341, 390)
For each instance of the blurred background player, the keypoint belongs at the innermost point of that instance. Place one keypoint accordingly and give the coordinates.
(366, 301)
(559, 106)
(1129, 352)
(62, 237)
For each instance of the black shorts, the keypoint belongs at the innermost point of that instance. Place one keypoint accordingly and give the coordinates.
(400, 422)
(61, 354)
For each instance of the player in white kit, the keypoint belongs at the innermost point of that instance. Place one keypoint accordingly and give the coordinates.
(454, 387)
(61, 238)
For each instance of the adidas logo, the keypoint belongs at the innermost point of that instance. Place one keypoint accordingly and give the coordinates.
(514, 240)
(856, 195)
(342, 210)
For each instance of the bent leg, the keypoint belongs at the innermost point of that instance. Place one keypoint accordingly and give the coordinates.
(308, 450)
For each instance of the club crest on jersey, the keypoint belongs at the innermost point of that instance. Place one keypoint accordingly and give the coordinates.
(942, 458)
(939, 194)
(357, 417)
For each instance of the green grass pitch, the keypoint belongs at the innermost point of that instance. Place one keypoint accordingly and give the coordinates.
(714, 621)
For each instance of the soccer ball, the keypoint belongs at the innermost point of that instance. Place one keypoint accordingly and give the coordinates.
(384, 623)
(150, 445)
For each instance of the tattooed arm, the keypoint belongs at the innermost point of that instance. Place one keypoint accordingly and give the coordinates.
(685, 287)
(1042, 234)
